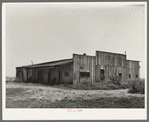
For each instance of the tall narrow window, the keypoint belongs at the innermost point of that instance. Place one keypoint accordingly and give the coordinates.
(84, 74)
(129, 75)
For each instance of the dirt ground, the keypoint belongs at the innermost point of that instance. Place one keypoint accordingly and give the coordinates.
(53, 94)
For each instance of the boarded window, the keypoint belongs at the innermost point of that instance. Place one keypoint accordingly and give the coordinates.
(129, 75)
(84, 74)
(66, 73)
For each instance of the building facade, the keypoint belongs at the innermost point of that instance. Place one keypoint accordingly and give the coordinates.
(80, 69)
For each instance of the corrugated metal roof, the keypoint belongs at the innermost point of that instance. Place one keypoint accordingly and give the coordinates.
(50, 64)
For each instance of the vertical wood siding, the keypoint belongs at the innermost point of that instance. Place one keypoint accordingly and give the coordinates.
(87, 63)
(112, 63)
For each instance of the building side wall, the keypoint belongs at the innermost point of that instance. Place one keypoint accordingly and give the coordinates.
(24, 70)
(83, 63)
(19, 73)
(67, 74)
(54, 75)
(133, 69)
(111, 63)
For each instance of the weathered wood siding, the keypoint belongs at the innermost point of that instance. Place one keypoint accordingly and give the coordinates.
(83, 63)
(66, 69)
(133, 69)
(112, 63)
(54, 74)
(19, 73)
(24, 70)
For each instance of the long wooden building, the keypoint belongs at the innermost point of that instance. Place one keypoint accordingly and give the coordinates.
(80, 68)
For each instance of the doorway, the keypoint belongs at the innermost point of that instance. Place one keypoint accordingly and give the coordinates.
(102, 72)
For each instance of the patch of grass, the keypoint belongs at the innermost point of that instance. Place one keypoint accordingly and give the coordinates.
(15, 91)
(133, 102)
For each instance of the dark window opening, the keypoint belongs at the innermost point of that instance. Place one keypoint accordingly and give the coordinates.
(84, 74)
(136, 76)
(66, 73)
(129, 75)
(102, 72)
(81, 67)
(115, 73)
(120, 74)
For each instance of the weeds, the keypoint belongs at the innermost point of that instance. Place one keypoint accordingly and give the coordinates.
(137, 86)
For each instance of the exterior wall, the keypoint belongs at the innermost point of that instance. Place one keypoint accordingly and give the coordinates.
(81, 68)
(83, 63)
(19, 73)
(133, 69)
(67, 69)
(24, 70)
(54, 74)
(111, 63)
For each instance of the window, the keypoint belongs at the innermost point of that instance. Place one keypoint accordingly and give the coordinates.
(136, 76)
(81, 67)
(66, 73)
(120, 74)
(129, 75)
(84, 74)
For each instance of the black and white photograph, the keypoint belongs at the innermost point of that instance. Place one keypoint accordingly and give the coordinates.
(74, 60)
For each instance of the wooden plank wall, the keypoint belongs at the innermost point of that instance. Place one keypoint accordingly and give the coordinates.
(112, 63)
(133, 69)
(19, 72)
(87, 63)
(24, 74)
(67, 79)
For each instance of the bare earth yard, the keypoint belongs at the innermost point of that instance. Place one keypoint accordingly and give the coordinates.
(40, 96)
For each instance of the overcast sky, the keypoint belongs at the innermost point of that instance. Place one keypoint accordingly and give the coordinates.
(47, 32)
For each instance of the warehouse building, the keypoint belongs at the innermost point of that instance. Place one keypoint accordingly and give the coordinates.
(80, 69)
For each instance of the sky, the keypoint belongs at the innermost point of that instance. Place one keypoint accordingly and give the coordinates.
(48, 32)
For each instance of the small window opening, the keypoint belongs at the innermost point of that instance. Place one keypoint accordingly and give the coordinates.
(81, 67)
(129, 75)
(136, 76)
(84, 74)
(66, 73)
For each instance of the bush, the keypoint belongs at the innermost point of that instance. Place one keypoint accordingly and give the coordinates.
(115, 80)
(137, 86)
(124, 85)
(102, 78)
(96, 86)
